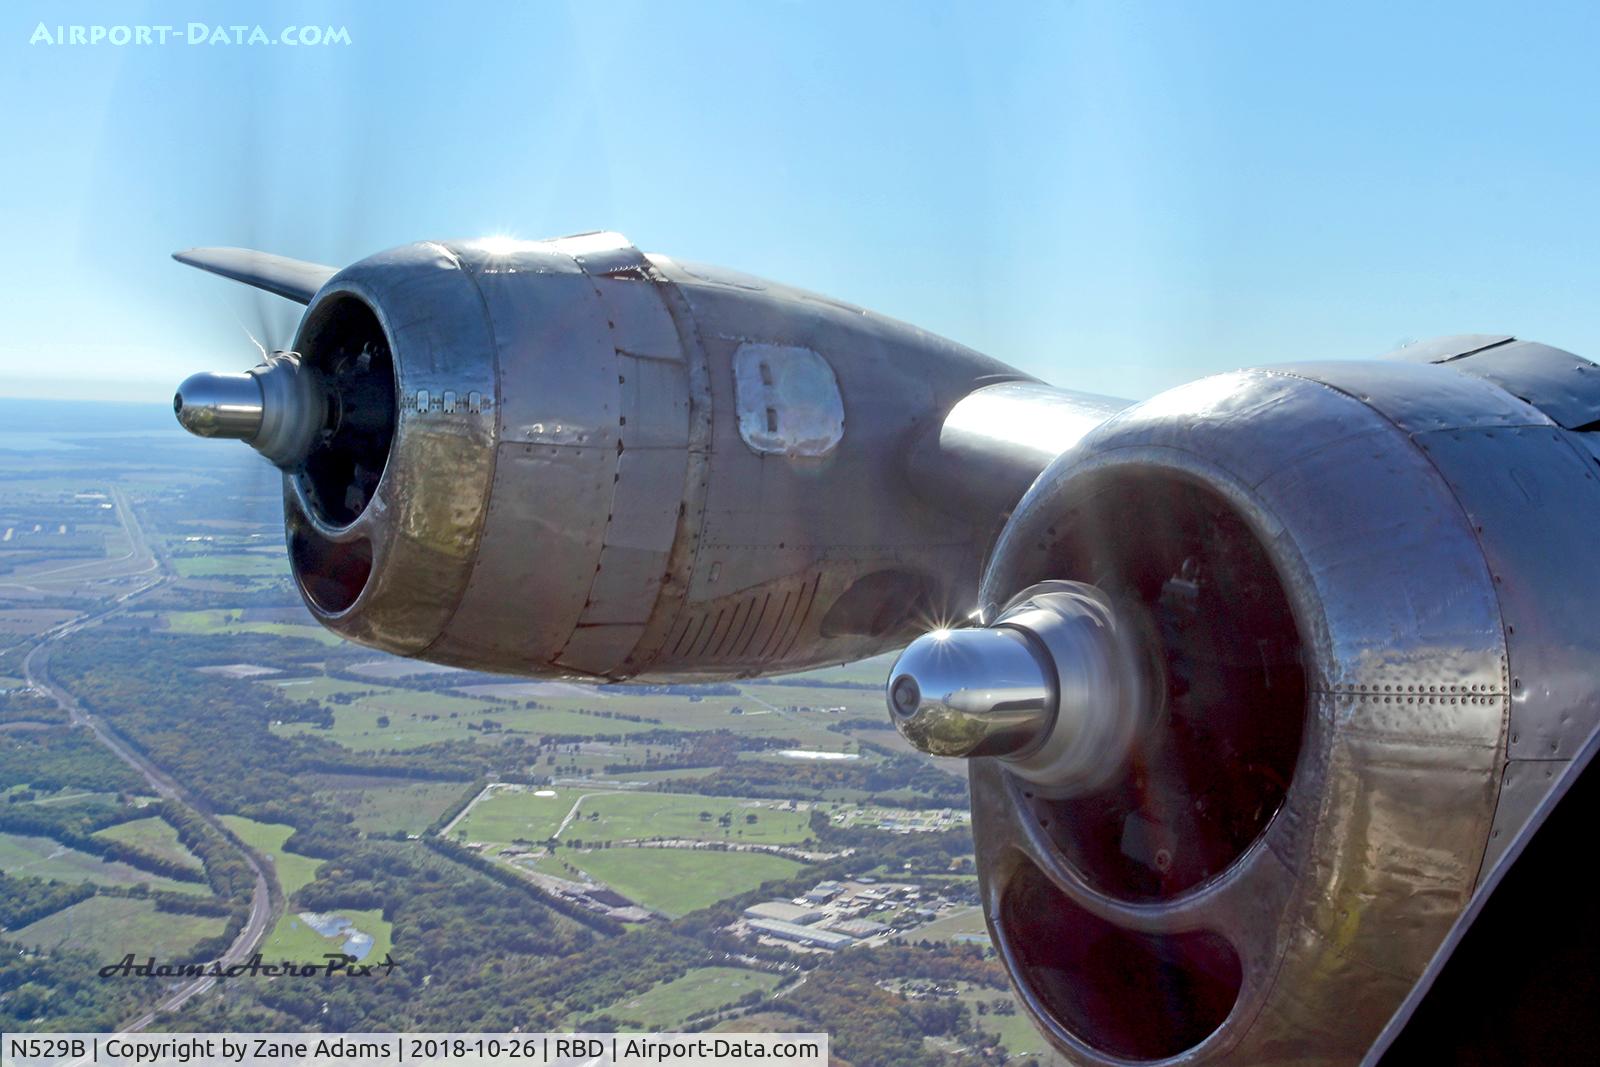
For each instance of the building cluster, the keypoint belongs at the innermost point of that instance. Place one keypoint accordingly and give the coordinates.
(835, 915)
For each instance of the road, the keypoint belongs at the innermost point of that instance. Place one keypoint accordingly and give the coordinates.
(138, 560)
(36, 670)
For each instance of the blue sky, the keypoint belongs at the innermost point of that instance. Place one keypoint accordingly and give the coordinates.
(1116, 197)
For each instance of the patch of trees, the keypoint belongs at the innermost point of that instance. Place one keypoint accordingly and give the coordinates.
(59, 990)
(941, 961)
(62, 758)
(70, 825)
(24, 899)
(466, 948)
(214, 734)
(229, 874)
(612, 970)
(814, 683)
(869, 1024)
(23, 705)
(930, 851)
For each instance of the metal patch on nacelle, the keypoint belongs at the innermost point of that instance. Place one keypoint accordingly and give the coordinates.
(788, 400)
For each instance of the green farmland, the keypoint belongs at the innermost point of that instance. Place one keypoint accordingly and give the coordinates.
(642, 816)
(110, 927)
(385, 806)
(240, 565)
(666, 1006)
(155, 836)
(673, 881)
(42, 857)
(516, 813)
(267, 838)
(292, 939)
(231, 621)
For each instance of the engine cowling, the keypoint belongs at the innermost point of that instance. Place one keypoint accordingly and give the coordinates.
(569, 458)
(1369, 591)
(1268, 669)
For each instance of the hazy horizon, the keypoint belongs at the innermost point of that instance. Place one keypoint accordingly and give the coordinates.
(1114, 198)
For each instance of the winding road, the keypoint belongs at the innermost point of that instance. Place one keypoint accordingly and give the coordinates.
(36, 670)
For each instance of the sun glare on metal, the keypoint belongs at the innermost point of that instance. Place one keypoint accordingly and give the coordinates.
(499, 244)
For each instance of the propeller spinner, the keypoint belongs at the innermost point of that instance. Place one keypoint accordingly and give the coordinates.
(277, 407)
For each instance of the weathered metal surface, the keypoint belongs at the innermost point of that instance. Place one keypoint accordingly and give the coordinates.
(1340, 902)
(787, 400)
(783, 536)
(1444, 349)
(608, 464)
(425, 521)
(1535, 505)
(1523, 785)
(1563, 386)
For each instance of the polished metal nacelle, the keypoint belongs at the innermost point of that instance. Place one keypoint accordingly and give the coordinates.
(1425, 528)
(601, 463)
(1058, 687)
(1264, 673)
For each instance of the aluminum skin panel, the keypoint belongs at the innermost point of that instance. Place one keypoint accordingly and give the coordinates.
(1341, 900)
(425, 520)
(1536, 507)
(1563, 386)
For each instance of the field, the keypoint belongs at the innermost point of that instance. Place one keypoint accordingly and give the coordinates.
(29, 621)
(515, 813)
(230, 621)
(155, 836)
(872, 671)
(297, 942)
(421, 717)
(510, 814)
(638, 816)
(239, 565)
(668, 1005)
(957, 926)
(385, 806)
(1016, 1033)
(356, 726)
(823, 703)
(108, 928)
(267, 838)
(674, 881)
(42, 857)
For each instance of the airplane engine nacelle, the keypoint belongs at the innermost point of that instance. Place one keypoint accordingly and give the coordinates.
(1370, 587)
(569, 458)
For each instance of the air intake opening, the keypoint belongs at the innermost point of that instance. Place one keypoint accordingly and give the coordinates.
(332, 573)
(1205, 783)
(1139, 996)
(344, 342)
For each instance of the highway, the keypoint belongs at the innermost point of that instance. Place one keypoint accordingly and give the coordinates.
(36, 670)
(138, 560)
